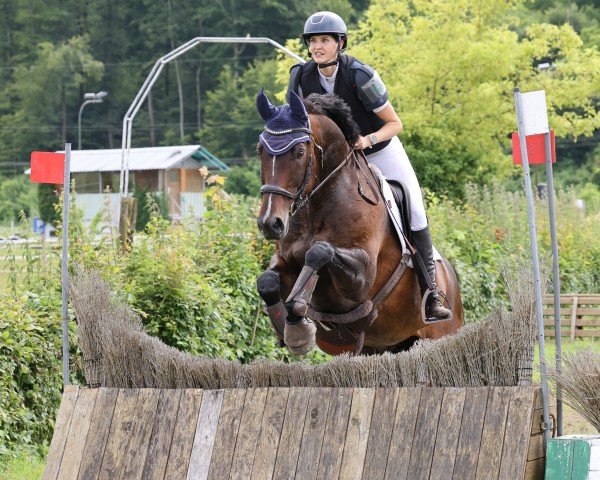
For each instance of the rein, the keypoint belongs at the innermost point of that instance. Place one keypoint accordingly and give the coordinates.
(295, 207)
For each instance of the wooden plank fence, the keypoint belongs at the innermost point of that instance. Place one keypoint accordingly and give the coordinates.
(303, 433)
(579, 315)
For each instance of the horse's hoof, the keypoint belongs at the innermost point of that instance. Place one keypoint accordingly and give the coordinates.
(268, 284)
(302, 349)
(300, 308)
(300, 337)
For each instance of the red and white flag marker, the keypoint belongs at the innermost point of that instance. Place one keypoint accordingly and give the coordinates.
(55, 168)
(533, 143)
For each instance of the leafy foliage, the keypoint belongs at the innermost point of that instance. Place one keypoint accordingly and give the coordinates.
(452, 75)
(146, 203)
(244, 180)
(47, 198)
(488, 231)
(232, 123)
(17, 194)
(30, 370)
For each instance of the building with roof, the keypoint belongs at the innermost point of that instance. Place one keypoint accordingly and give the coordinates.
(171, 171)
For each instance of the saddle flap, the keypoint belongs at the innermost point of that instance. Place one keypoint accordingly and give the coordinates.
(400, 216)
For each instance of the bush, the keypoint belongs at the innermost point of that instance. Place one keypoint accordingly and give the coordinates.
(146, 200)
(489, 230)
(244, 180)
(30, 370)
(194, 282)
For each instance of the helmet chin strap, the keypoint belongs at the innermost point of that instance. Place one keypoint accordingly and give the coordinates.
(335, 62)
(329, 64)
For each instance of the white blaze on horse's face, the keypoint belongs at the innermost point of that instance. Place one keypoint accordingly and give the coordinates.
(284, 174)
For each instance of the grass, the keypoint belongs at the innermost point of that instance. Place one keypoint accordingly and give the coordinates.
(22, 468)
(573, 423)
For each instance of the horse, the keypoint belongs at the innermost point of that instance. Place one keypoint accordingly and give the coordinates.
(338, 278)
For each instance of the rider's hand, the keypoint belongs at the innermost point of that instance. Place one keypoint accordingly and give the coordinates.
(362, 143)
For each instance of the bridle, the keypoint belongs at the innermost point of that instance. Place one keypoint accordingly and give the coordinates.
(300, 198)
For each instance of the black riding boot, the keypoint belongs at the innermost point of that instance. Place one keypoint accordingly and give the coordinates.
(434, 310)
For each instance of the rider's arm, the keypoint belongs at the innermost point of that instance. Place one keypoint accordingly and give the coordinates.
(373, 94)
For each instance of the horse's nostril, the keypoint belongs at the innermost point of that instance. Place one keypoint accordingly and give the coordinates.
(278, 225)
(272, 228)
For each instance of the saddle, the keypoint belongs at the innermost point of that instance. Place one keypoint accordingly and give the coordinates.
(402, 199)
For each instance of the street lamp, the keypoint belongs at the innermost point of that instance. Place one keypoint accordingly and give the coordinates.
(88, 98)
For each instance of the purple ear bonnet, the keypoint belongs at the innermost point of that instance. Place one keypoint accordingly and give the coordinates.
(285, 126)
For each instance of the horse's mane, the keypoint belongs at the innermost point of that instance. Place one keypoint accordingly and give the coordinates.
(337, 110)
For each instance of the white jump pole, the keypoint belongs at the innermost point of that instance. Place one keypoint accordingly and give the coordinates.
(535, 261)
(153, 76)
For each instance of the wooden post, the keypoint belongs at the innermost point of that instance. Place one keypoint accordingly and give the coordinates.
(573, 317)
(127, 221)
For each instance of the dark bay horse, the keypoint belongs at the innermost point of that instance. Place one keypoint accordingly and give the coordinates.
(329, 280)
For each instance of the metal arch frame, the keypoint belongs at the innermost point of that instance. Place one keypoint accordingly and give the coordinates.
(153, 76)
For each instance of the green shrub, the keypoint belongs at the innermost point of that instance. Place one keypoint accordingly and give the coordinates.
(30, 370)
(244, 180)
(489, 230)
(146, 200)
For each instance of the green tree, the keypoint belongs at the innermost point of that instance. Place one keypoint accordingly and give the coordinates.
(232, 124)
(244, 180)
(17, 194)
(46, 95)
(47, 199)
(451, 68)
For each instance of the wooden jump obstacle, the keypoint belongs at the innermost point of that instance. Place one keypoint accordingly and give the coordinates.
(302, 433)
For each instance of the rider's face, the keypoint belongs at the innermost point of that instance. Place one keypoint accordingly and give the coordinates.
(323, 48)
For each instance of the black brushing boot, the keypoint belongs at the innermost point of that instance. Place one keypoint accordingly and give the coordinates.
(434, 310)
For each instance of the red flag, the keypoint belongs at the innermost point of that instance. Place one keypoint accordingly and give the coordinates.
(47, 167)
(536, 149)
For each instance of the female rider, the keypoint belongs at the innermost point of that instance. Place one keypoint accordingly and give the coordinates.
(332, 71)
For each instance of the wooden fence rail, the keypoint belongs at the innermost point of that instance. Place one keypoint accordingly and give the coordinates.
(579, 315)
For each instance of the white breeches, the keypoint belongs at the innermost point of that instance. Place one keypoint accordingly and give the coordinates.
(395, 165)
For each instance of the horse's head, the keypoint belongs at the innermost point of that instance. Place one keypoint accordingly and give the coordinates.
(285, 158)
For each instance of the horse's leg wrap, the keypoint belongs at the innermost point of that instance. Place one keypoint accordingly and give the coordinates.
(300, 335)
(268, 285)
(302, 292)
(278, 315)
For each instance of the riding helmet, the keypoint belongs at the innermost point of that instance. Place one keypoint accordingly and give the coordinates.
(325, 23)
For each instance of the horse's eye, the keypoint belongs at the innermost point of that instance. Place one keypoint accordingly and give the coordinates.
(300, 153)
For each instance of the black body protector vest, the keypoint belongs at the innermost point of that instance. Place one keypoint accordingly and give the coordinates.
(345, 88)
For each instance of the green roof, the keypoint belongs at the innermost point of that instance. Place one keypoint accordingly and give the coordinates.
(208, 160)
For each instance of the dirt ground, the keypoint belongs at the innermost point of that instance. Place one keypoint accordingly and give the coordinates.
(573, 423)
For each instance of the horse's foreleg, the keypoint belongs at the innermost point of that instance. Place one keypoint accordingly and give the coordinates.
(297, 333)
(352, 273)
(348, 269)
(269, 286)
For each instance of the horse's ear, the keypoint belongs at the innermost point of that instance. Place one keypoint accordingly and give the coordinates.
(297, 107)
(265, 108)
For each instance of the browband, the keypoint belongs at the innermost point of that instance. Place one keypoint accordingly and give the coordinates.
(289, 130)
